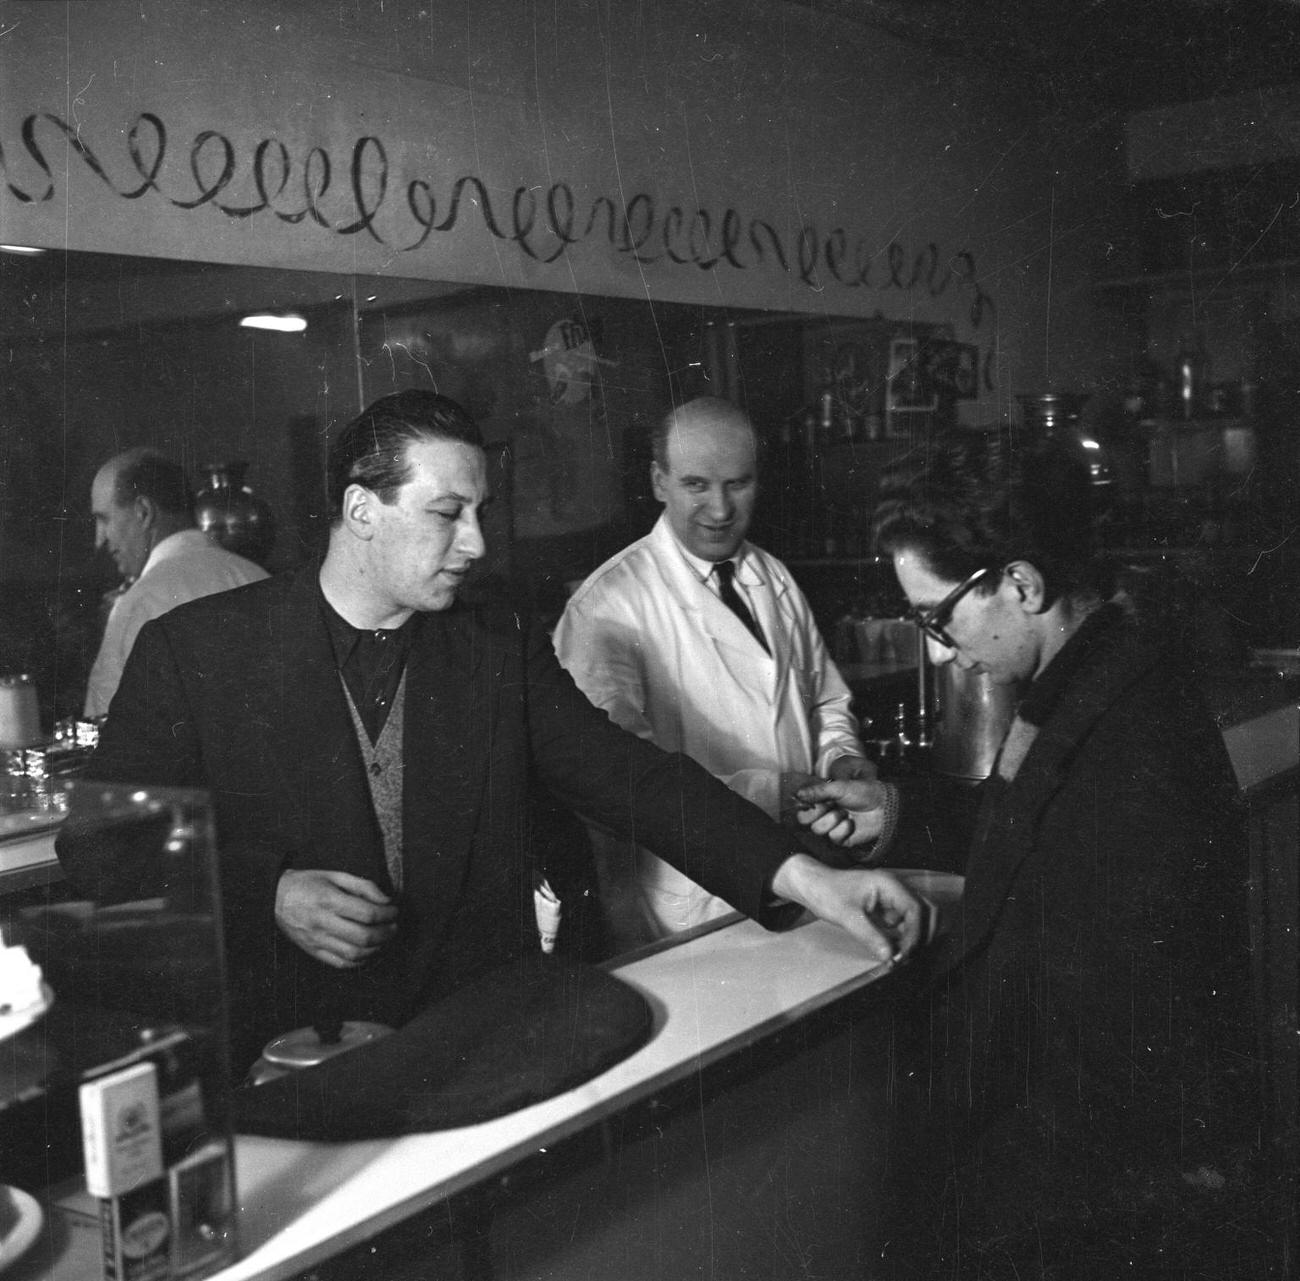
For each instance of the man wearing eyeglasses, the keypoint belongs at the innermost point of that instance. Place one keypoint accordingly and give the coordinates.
(1095, 1004)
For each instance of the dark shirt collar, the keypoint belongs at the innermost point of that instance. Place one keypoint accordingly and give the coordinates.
(1045, 692)
(344, 638)
(371, 663)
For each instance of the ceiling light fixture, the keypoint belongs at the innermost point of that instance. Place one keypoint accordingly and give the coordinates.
(287, 323)
(20, 249)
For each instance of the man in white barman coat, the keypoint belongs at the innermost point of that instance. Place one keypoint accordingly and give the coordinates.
(701, 642)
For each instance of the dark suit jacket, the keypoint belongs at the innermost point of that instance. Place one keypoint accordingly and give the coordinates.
(239, 693)
(1094, 1038)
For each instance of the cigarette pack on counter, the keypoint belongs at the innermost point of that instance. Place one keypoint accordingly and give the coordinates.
(159, 1158)
(121, 1130)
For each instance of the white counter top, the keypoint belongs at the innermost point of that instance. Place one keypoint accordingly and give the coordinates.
(27, 861)
(304, 1202)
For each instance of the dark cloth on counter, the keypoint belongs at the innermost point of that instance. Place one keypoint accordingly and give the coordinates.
(520, 1034)
(1085, 1079)
(240, 694)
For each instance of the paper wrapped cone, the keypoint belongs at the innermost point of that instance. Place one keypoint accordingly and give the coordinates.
(547, 907)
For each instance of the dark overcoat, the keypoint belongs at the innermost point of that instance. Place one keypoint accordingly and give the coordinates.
(1092, 1068)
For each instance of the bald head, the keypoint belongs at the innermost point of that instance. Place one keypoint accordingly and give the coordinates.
(138, 498)
(705, 472)
(709, 415)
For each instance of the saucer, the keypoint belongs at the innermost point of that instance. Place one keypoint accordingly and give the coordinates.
(20, 1224)
(16, 1020)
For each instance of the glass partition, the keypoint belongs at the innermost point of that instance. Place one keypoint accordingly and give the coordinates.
(104, 352)
(135, 974)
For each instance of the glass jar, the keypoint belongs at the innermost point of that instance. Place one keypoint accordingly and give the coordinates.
(1058, 414)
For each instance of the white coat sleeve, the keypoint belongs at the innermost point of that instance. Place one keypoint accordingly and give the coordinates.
(830, 716)
(124, 622)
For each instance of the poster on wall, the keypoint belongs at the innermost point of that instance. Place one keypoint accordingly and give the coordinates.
(568, 359)
(566, 462)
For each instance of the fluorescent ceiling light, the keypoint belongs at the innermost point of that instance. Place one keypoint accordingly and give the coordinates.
(20, 249)
(283, 324)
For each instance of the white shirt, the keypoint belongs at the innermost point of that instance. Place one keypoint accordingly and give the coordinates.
(647, 639)
(182, 567)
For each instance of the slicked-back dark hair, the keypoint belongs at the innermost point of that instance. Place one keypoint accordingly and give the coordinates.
(371, 449)
(973, 499)
(146, 473)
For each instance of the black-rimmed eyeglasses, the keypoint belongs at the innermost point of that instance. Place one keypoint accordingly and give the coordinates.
(933, 622)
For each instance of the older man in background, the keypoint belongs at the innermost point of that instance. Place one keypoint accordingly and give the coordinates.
(702, 643)
(144, 515)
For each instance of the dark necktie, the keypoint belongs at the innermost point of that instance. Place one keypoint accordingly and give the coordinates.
(725, 572)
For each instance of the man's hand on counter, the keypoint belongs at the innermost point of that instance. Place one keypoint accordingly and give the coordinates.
(339, 919)
(874, 907)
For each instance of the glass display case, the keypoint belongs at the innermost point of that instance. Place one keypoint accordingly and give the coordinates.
(97, 987)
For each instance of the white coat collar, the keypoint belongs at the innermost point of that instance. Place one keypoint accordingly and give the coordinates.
(685, 576)
(177, 544)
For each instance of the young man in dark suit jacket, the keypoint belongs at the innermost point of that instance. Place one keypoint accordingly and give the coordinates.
(369, 742)
(1091, 1100)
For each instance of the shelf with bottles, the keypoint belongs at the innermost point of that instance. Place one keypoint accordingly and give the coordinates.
(874, 386)
(1181, 387)
(845, 591)
(834, 427)
(868, 393)
(817, 505)
(1193, 452)
(817, 529)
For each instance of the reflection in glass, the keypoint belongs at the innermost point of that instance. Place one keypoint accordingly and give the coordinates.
(109, 352)
(136, 972)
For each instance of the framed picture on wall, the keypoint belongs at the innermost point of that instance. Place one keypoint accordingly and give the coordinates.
(908, 390)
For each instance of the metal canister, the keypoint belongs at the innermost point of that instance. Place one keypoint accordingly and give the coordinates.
(20, 718)
(973, 716)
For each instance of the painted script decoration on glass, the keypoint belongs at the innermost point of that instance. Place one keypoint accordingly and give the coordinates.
(360, 194)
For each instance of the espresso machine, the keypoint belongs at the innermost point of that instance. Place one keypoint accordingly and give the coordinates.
(961, 718)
